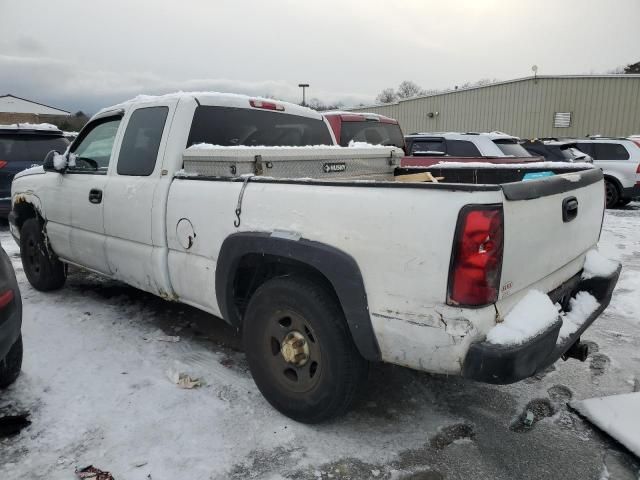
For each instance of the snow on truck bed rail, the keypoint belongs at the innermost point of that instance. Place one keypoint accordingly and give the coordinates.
(352, 144)
(552, 165)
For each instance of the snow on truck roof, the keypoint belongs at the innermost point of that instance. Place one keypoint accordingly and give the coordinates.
(216, 99)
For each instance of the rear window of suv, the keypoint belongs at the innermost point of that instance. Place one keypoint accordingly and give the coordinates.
(227, 126)
(604, 151)
(511, 148)
(29, 148)
(375, 133)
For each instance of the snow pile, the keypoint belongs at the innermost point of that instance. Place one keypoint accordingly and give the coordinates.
(618, 415)
(582, 305)
(597, 265)
(531, 316)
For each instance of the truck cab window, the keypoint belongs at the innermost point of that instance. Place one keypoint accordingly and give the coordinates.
(141, 141)
(93, 150)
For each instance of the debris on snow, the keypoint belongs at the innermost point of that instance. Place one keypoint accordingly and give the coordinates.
(183, 380)
(531, 316)
(582, 305)
(597, 265)
(93, 473)
(617, 415)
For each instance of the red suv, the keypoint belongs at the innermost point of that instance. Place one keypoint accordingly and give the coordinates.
(365, 127)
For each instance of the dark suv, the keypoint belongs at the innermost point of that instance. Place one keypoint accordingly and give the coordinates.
(22, 146)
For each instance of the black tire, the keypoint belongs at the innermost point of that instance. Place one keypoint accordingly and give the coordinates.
(327, 383)
(11, 364)
(612, 194)
(42, 268)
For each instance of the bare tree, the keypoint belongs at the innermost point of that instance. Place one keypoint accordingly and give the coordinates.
(409, 89)
(388, 95)
(632, 68)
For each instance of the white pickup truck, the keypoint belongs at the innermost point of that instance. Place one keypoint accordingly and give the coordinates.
(322, 274)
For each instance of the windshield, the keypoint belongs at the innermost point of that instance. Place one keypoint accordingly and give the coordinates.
(373, 132)
(29, 148)
(227, 126)
(511, 148)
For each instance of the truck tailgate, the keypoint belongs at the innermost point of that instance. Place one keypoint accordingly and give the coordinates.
(549, 225)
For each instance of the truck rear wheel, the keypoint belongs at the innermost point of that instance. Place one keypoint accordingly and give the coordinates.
(42, 268)
(300, 351)
(11, 364)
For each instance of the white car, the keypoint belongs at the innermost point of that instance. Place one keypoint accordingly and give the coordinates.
(619, 159)
(322, 271)
(454, 144)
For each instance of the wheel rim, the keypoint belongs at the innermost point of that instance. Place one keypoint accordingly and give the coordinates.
(610, 192)
(293, 352)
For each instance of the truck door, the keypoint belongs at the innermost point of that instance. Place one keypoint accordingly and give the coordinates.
(75, 208)
(134, 211)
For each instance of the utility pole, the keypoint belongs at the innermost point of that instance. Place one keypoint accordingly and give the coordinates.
(304, 87)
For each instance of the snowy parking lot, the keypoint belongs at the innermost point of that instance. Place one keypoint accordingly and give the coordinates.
(98, 384)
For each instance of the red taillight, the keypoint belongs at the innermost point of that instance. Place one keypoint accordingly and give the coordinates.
(3, 163)
(638, 175)
(474, 276)
(6, 298)
(266, 105)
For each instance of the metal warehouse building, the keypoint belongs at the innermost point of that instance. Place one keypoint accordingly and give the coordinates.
(542, 106)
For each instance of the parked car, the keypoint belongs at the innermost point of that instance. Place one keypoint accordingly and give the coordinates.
(322, 272)
(556, 150)
(22, 146)
(10, 323)
(365, 127)
(494, 144)
(619, 159)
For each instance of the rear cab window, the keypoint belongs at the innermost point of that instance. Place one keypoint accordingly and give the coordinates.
(373, 132)
(229, 126)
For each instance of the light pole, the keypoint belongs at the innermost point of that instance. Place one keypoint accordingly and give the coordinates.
(304, 87)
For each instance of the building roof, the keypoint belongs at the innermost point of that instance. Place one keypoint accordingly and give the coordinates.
(504, 82)
(12, 104)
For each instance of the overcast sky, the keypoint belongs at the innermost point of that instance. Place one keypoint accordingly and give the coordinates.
(83, 54)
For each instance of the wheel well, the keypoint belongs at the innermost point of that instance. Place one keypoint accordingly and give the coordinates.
(615, 182)
(23, 211)
(255, 269)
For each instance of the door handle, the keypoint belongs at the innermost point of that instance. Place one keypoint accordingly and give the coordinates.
(569, 209)
(95, 195)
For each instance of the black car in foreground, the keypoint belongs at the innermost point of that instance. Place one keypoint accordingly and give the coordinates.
(10, 323)
(23, 146)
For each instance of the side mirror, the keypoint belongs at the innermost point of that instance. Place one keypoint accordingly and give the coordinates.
(54, 162)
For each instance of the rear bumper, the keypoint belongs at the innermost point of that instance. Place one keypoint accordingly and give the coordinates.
(631, 192)
(499, 364)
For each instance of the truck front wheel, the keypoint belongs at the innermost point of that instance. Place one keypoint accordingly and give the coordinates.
(300, 351)
(42, 268)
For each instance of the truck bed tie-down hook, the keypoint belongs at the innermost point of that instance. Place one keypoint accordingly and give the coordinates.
(236, 222)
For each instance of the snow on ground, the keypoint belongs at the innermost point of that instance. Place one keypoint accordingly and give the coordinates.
(618, 415)
(95, 382)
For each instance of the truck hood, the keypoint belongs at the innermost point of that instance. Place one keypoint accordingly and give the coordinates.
(39, 170)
